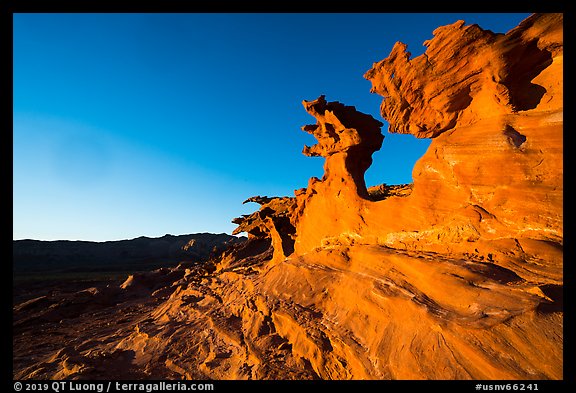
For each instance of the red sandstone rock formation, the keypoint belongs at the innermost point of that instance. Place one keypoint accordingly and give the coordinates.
(334, 204)
(457, 276)
(493, 105)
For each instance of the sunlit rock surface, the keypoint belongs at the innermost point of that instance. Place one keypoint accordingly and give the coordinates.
(456, 276)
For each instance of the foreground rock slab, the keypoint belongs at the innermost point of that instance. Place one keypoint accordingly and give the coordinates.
(456, 276)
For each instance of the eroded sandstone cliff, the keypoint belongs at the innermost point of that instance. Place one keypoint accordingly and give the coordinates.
(457, 276)
(492, 177)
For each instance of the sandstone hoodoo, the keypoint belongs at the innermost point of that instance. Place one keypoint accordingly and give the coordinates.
(456, 276)
(334, 205)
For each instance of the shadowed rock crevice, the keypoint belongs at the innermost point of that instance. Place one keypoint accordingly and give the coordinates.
(525, 61)
(556, 295)
(514, 137)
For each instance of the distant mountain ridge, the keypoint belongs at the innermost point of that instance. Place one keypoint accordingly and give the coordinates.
(457, 276)
(71, 255)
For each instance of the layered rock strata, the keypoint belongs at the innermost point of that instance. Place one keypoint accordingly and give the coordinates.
(457, 276)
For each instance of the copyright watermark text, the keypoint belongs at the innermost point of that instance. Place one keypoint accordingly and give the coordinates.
(101, 387)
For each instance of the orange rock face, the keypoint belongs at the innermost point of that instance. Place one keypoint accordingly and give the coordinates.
(456, 276)
(333, 205)
(468, 74)
(493, 105)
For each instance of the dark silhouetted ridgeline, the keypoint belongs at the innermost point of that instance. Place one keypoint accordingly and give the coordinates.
(142, 253)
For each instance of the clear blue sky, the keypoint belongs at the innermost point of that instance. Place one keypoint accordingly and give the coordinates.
(146, 124)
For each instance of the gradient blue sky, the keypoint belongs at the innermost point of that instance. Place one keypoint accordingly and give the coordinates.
(130, 125)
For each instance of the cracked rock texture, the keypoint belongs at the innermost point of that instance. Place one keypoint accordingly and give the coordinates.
(456, 276)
